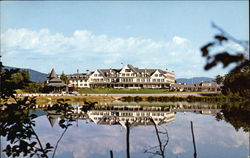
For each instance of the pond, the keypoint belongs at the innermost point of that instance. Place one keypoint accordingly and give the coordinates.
(135, 130)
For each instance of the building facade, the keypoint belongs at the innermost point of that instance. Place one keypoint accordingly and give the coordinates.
(78, 80)
(126, 77)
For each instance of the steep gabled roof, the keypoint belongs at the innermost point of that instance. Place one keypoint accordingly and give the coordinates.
(162, 71)
(135, 70)
(108, 70)
(52, 74)
(150, 72)
(54, 81)
(105, 72)
(102, 73)
(52, 118)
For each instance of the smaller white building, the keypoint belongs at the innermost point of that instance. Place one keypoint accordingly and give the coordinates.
(78, 80)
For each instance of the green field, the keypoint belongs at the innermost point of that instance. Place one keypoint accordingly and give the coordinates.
(121, 91)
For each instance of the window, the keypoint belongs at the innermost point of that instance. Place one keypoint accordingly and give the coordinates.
(127, 70)
(156, 75)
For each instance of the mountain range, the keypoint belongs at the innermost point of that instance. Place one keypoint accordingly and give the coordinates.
(194, 80)
(37, 76)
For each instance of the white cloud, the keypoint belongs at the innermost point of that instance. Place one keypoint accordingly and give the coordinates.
(179, 40)
(87, 50)
(178, 150)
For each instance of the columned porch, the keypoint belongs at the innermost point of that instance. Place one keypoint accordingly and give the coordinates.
(134, 85)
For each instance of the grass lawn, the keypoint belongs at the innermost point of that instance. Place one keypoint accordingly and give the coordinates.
(121, 91)
(40, 100)
(127, 91)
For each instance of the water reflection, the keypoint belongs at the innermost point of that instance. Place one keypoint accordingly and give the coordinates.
(132, 130)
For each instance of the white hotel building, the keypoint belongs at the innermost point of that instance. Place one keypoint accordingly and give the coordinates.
(126, 77)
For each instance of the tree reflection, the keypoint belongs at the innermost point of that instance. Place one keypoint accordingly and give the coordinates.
(17, 125)
(162, 138)
(63, 124)
(237, 115)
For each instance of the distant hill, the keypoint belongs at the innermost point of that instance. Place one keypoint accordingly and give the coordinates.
(194, 80)
(35, 76)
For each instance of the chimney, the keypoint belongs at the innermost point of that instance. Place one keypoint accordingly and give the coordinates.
(87, 72)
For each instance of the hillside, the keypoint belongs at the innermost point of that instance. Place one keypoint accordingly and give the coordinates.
(35, 76)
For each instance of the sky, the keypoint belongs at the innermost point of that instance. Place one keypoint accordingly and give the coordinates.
(93, 35)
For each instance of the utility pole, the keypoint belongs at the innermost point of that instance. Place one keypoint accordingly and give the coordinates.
(127, 138)
(0, 146)
(249, 144)
(195, 153)
(77, 78)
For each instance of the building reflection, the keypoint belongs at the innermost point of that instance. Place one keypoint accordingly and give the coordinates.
(127, 116)
(117, 115)
(134, 114)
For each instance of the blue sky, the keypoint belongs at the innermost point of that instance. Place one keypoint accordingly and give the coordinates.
(101, 34)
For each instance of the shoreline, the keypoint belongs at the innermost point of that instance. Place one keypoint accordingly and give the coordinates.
(119, 95)
(42, 98)
(52, 98)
